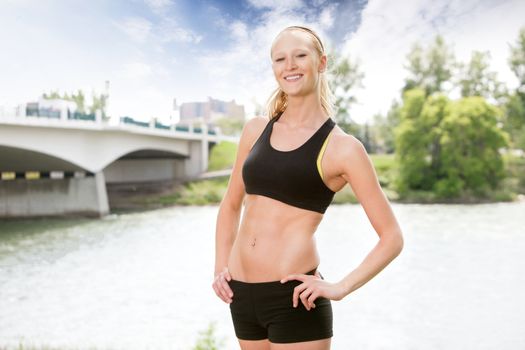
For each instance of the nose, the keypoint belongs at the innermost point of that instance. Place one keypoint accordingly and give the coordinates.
(290, 64)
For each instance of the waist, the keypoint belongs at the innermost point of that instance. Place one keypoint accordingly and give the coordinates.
(263, 256)
(276, 283)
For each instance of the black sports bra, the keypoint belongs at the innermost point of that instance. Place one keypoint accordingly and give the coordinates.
(293, 177)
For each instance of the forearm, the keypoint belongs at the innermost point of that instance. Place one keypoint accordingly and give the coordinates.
(386, 250)
(227, 226)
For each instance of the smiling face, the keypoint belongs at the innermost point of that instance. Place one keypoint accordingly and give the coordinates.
(296, 63)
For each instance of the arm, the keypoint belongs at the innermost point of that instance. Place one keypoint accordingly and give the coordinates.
(357, 169)
(228, 218)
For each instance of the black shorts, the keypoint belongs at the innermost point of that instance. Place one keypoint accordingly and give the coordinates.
(264, 310)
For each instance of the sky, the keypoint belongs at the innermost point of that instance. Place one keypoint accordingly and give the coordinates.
(155, 51)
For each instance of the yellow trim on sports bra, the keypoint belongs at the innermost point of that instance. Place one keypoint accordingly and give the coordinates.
(320, 156)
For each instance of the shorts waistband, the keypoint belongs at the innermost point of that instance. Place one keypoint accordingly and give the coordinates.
(269, 283)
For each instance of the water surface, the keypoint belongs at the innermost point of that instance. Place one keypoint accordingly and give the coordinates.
(143, 280)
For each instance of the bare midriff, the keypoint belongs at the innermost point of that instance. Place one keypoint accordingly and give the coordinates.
(274, 240)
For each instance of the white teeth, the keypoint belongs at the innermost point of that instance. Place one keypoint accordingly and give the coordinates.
(293, 77)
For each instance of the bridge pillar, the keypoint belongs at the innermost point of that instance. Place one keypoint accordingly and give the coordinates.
(204, 148)
(84, 196)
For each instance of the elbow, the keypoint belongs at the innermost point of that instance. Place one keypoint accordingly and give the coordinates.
(399, 243)
(395, 242)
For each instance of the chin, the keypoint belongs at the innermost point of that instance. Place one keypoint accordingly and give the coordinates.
(297, 93)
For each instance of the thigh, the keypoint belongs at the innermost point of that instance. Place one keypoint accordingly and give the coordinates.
(254, 344)
(323, 344)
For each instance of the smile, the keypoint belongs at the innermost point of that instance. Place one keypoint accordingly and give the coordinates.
(293, 77)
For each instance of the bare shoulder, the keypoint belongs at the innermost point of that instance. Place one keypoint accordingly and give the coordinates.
(347, 147)
(252, 129)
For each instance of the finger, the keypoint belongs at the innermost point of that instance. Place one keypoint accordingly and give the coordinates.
(227, 274)
(228, 289)
(223, 291)
(296, 291)
(312, 298)
(304, 298)
(215, 289)
(294, 277)
(219, 293)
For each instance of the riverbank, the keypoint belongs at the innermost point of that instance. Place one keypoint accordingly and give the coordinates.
(211, 191)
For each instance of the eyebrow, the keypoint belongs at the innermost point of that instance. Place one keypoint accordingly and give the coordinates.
(278, 53)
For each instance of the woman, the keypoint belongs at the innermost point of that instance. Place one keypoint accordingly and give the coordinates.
(286, 173)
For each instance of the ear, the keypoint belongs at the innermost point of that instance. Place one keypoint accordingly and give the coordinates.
(322, 64)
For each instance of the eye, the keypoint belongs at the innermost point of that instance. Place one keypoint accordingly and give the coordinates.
(301, 55)
(279, 59)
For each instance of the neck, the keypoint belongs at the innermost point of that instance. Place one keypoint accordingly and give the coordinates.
(304, 110)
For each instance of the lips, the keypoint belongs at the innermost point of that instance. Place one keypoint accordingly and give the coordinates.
(293, 77)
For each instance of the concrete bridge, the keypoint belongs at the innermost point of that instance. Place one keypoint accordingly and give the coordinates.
(59, 167)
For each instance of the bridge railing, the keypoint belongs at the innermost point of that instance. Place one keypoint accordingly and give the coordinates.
(67, 115)
(154, 124)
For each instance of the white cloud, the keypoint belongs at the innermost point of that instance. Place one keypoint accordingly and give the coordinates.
(137, 28)
(326, 20)
(135, 70)
(158, 4)
(170, 31)
(388, 30)
(239, 30)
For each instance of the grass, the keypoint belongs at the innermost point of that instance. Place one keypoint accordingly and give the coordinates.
(222, 156)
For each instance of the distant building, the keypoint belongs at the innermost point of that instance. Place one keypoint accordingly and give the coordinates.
(208, 112)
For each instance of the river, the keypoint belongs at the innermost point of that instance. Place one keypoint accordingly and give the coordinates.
(143, 280)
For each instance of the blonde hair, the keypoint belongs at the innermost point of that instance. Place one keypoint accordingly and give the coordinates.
(278, 99)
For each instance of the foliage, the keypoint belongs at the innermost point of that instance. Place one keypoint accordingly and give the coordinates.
(517, 59)
(411, 142)
(515, 119)
(202, 192)
(448, 147)
(515, 106)
(99, 102)
(476, 79)
(384, 128)
(471, 140)
(222, 156)
(230, 126)
(207, 339)
(429, 70)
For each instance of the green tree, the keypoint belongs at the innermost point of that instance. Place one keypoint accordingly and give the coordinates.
(230, 126)
(477, 80)
(385, 126)
(515, 106)
(52, 95)
(449, 148)
(79, 98)
(411, 143)
(517, 60)
(99, 103)
(470, 139)
(429, 69)
(515, 119)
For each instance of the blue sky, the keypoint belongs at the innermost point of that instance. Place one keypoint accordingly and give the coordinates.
(153, 51)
